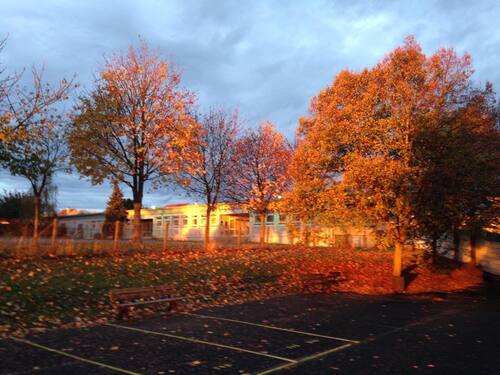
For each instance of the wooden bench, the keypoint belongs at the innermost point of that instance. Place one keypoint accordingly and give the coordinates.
(321, 280)
(124, 299)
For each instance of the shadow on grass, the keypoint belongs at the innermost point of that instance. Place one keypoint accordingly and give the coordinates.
(408, 275)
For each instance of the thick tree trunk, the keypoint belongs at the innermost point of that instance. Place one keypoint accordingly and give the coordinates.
(456, 245)
(207, 229)
(306, 234)
(262, 218)
(36, 220)
(473, 247)
(136, 231)
(398, 258)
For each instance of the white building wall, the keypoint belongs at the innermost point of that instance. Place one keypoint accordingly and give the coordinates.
(85, 227)
(280, 231)
(187, 222)
(487, 253)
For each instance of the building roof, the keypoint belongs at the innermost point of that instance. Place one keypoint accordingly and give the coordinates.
(178, 205)
(88, 214)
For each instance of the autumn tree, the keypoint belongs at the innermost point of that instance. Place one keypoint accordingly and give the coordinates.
(479, 123)
(362, 132)
(205, 176)
(115, 210)
(31, 132)
(37, 156)
(258, 174)
(134, 126)
(460, 160)
(22, 108)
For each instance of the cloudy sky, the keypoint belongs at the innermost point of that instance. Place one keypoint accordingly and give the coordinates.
(266, 58)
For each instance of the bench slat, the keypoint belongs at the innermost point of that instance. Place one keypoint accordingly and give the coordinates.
(324, 280)
(137, 303)
(122, 299)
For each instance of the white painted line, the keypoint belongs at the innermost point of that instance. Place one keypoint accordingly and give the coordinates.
(305, 359)
(273, 327)
(81, 359)
(191, 339)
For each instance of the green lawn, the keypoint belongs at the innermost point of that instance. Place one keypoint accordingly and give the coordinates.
(48, 292)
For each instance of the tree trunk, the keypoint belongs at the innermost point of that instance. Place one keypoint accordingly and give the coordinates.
(473, 247)
(262, 217)
(434, 250)
(36, 220)
(456, 245)
(398, 257)
(136, 232)
(305, 233)
(207, 228)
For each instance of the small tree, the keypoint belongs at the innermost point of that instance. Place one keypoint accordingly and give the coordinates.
(115, 211)
(206, 175)
(258, 175)
(37, 156)
(134, 126)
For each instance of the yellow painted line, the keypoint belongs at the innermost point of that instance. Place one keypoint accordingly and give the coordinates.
(81, 359)
(326, 352)
(273, 327)
(197, 341)
(305, 359)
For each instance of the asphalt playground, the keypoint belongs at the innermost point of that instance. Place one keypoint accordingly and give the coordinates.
(301, 334)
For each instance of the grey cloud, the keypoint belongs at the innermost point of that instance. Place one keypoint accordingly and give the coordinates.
(267, 58)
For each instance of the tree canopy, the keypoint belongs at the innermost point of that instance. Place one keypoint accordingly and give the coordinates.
(259, 170)
(206, 174)
(134, 126)
(362, 148)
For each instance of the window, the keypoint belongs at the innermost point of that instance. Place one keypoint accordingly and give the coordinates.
(195, 220)
(158, 221)
(175, 220)
(213, 220)
(270, 219)
(185, 220)
(283, 218)
(256, 220)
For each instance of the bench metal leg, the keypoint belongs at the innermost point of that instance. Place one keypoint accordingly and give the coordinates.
(122, 312)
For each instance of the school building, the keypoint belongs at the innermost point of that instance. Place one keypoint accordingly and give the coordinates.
(186, 222)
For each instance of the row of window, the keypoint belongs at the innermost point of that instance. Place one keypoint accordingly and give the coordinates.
(270, 219)
(185, 220)
(196, 220)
